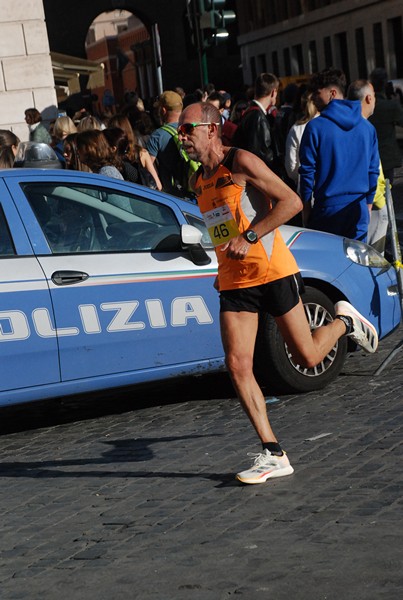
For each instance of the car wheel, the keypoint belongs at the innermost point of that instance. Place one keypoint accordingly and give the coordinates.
(273, 363)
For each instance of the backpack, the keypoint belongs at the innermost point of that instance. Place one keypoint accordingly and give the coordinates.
(186, 167)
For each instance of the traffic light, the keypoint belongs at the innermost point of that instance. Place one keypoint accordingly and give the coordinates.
(205, 22)
(213, 17)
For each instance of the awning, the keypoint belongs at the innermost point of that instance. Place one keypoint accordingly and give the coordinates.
(67, 70)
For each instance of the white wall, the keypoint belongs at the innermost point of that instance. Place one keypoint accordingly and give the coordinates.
(26, 77)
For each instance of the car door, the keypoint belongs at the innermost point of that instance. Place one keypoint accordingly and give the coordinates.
(28, 357)
(125, 296)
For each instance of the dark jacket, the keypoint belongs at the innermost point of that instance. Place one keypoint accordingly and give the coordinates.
(387, 114)
(253, 134)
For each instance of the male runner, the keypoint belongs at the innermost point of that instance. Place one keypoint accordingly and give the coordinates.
(243, 203)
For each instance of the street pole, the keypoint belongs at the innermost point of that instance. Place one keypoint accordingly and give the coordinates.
(397, 263)
(196, 8)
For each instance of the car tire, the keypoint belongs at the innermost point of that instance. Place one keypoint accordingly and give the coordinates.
(273, 364)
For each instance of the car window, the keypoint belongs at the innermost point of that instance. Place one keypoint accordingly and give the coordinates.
(201, 226)
(6, 242)
(79, 218)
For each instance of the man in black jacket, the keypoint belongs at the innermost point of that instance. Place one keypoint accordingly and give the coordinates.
(254, 132)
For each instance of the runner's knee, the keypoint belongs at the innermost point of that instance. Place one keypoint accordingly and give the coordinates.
(239, 365)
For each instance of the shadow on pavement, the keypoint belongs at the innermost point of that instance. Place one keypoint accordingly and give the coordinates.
(48, 413)
(123, 453)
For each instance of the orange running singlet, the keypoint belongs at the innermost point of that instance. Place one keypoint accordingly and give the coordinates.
(229, 209)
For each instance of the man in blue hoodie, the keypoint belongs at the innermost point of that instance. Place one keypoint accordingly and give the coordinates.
(339, 161)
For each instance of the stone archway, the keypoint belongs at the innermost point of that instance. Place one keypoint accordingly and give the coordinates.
(67, 31)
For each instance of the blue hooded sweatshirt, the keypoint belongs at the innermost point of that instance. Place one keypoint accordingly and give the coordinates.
(339, 169)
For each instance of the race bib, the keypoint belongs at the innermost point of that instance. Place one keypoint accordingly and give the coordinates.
(221, 225)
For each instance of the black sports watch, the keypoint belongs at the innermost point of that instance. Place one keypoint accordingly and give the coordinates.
(251, 236)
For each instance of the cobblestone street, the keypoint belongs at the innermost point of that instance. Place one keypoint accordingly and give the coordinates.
(133, 496)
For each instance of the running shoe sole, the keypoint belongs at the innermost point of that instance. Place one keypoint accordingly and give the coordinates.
(364, 333)
(262, 477)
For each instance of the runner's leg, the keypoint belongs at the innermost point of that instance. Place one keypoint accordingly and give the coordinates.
(308, 348)
(238, 332)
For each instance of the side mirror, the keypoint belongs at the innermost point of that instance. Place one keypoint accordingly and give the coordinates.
(191, 238)
(190, 235)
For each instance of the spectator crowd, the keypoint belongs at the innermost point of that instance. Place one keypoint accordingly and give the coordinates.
(332, 145)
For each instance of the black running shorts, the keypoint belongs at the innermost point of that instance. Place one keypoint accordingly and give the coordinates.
(277, 297)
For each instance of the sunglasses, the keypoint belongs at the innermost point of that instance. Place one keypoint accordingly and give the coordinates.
(187, 128)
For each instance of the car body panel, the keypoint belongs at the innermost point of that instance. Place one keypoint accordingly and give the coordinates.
(328, 264)
(122, 319)
(27, 358)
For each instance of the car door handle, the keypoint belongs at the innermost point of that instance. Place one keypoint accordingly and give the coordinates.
(68, 277)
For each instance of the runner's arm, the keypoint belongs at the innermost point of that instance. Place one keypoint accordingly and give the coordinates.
(283, 202)
(249, 169)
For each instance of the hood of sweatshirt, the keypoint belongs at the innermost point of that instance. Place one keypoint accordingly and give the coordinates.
(344, 113)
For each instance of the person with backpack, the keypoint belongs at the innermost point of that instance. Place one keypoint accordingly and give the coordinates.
(173, 164)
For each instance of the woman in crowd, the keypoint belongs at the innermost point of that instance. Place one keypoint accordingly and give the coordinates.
(88, 122)
(140, 120)
(291, 159)
(136, 155)
(142, 127)
(119, 144)
(95, 152)
(62, 127)
(37, 131)
(70, 154)
(8, 148)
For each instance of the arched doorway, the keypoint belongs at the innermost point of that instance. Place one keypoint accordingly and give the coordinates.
(123, 44)
(67, 34)
(162, 20)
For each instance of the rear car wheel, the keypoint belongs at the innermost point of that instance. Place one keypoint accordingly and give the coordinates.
(273, 363)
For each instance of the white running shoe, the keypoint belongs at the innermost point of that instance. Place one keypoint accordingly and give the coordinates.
(363, 332)
(265, 466)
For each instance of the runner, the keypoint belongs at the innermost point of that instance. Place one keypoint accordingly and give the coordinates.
(243, 203)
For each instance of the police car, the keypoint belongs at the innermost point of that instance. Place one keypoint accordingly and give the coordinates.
(105, 284)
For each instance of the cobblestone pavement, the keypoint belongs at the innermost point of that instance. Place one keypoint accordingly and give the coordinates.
(132, 496)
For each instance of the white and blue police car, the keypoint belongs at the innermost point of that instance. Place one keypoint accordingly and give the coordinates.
(105, 284)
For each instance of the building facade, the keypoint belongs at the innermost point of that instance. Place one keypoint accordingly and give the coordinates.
(295, 37)
(116, 45)
(26, 79)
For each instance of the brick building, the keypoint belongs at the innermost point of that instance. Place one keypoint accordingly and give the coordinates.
(124, 48)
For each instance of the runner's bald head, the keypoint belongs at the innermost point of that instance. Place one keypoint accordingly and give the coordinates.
(203, 112)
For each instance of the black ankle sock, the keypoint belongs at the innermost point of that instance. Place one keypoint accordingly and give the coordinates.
(348, 322)
(273, 448)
